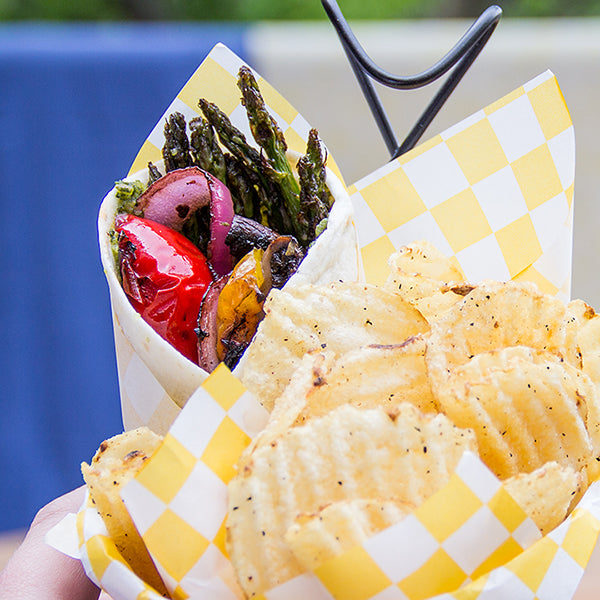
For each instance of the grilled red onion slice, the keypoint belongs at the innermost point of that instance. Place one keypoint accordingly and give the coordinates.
(221, 218)
(207, 326)
(176, 196)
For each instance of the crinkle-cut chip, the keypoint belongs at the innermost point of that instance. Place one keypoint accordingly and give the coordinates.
(579, 313)
(338, 317)
(377, 376)
(372, 377)
(585, 323)
(547, 494)
(347, 454)
(339, 526)
(292, 402)
(588, 341)
(526, 408)
(422, 275)
(117, 461)
(423, 258)
(492, 316)
(431, 298)
(577, 316)
(434, 306)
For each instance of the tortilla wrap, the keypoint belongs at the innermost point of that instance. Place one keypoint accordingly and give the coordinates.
(333, 256)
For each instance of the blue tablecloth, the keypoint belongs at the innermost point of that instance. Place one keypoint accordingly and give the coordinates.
(76, 102)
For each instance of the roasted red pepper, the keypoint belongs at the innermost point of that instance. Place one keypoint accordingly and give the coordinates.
(165, 277)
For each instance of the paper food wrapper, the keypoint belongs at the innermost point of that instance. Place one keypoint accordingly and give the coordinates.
(154, 379)
(495, 192)
(469, 540)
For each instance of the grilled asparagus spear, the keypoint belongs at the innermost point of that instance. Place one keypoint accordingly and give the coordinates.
(231, 137)
(267, 179)
(205, 150)
(270, 138)
(176, 150)
(315, 198)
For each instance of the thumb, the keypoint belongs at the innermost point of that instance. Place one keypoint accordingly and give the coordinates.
(37, 571)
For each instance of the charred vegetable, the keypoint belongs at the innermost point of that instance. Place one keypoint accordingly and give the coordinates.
(176, 198)
(243, 209)
(314, 194)
(270, 138)
(165, 278)
(177, 146)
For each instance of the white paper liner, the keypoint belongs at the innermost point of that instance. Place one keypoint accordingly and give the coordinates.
(483, 527)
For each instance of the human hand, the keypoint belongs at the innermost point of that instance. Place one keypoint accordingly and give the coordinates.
(37, 571)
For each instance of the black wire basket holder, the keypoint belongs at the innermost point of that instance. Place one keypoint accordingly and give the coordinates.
(456, 63)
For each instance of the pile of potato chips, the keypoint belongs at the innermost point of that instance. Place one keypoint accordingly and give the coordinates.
(376, 392)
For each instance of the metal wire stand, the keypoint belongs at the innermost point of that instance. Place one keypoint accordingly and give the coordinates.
(456, 63)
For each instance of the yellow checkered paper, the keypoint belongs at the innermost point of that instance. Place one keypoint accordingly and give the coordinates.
(495, 191)
(102, 561)
(179, 500)
(551, 568)
(469, 540)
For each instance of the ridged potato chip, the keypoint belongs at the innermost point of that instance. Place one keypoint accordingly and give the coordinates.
(376, 376)
(348, 454)
(117, 461)
(547, 494)
(292, 402)
(376, 393)
(430, 281)
(337, 318)
(337, 527)
(493, 316)
(585, 325)
(526, 407)
(422, 258)
(371, 377)
(434, 305)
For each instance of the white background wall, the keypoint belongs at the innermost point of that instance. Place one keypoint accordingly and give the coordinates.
(306, 63)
